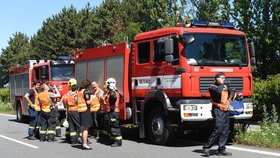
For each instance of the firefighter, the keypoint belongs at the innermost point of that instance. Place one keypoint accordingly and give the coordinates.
(72, 113)
(48, 123)
(104, 127)
(55, 112)
(83, 99)
(71, 82)
(219, 94)
(113, 110)
(34, 110)
(95, 106)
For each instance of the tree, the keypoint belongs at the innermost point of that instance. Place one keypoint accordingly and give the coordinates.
(266, 34)
(58, 35)
(207, 10)
(17, 52)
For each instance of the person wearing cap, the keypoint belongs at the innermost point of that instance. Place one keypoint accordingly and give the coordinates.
(220, 98)
(113, 110)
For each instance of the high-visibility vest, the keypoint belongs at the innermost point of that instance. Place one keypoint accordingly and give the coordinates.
(103, 103)
(45, 102)
(116, 108)
(95, 103)
(71, 102)
(224, 104)
(82, 105)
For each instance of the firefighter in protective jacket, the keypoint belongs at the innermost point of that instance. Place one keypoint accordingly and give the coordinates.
(48, 124)
(220, 97)
(113, 110)
(73, 119)
(33, 109)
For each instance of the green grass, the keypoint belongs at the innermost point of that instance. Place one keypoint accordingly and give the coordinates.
(6, 108)
(267, 136)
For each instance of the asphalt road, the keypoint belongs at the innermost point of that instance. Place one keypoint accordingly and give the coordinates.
(13, 144)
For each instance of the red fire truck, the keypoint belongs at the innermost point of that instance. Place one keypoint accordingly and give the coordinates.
(164, 75)
(54, 72)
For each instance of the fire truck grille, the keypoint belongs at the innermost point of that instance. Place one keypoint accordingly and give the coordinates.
(232, 82)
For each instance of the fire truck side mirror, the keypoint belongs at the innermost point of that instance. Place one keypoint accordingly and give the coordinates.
(252, 52)
(166, 45)
(44, 73)
(188, 39)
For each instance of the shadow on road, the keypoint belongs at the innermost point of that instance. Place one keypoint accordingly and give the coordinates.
(212, 152)
(15, 120)
(179, 140)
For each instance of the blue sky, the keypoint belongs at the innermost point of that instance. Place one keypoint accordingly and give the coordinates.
(27, 16)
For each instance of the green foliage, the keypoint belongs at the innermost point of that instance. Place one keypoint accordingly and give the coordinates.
(266, 92)
(4, 95)
(58, 35)
(118, 20)
(5, 105)
(267, 136)
(18, 52)
(208, 10)
(266, 33)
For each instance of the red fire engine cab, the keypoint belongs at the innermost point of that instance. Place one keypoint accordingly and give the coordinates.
(164, 75)
(54, 72)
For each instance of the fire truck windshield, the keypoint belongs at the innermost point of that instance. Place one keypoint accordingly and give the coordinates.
(62, 72)
(216, 50)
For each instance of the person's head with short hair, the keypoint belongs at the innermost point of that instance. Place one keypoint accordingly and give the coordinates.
(85, 84)
(45, 87)
(220, 78)
(94, 85)
(36, 84)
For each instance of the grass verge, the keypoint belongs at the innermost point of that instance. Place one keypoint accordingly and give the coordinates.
(267, 136)
(6, 108)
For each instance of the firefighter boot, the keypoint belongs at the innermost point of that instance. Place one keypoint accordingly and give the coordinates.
(58, 131)
(117, 143)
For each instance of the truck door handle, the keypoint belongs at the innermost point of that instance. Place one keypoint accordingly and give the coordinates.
(158, 81)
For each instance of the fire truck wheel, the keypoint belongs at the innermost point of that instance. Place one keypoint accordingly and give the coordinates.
(158, 131)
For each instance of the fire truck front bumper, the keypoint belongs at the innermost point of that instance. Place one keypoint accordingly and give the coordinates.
(200, 110)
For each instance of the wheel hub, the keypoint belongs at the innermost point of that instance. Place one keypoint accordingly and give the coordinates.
(157, 126)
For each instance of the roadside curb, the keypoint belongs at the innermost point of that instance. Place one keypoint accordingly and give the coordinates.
(9, 115)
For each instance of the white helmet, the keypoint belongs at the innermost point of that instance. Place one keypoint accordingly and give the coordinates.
(111, 83)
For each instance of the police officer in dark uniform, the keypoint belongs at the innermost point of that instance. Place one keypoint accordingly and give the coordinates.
(114, 113)
(220, 101)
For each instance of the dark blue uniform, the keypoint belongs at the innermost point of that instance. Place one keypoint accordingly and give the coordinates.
(221, 130)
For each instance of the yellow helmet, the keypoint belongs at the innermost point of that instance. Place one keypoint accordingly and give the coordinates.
(72, 82)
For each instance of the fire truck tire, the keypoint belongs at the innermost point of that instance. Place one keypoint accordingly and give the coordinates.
(158, 130)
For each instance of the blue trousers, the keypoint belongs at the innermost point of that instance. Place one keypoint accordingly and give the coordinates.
(34, 122)
(221, 130)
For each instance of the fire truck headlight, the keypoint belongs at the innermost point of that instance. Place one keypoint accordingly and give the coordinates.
(189, 107)
(248, 105)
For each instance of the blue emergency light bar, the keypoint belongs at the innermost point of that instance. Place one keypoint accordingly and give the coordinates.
(65, 57)
(212, 24)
